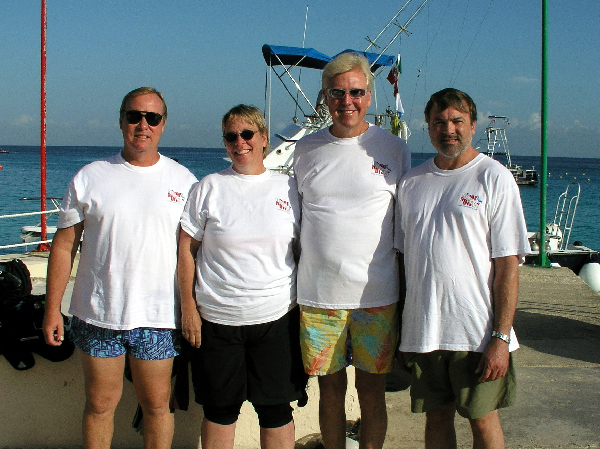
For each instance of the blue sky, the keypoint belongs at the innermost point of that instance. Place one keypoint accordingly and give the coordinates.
(206, 57)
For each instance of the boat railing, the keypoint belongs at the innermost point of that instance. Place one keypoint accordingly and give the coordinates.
(390, 121)
(55, 202)
(565, 212)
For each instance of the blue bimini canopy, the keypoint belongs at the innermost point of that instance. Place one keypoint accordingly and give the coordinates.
(294, 56)
(382, 60)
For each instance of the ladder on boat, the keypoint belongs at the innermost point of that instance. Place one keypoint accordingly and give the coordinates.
(497, 144)
(565, 214)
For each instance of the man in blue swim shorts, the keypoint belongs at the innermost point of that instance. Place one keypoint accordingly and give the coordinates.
(124, 301)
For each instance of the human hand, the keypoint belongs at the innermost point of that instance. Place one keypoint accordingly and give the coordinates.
(191, 324)
(494, 361)
(53, 327)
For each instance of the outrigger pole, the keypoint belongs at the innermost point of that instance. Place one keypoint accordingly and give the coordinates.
(401, 29)
(44, 229)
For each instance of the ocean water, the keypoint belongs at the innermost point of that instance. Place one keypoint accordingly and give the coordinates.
(20, 177)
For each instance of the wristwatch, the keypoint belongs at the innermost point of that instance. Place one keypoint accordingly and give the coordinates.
(501, 336)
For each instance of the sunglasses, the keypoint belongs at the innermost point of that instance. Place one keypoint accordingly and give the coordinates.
(134, 117)
(246, 134)
(341, 93)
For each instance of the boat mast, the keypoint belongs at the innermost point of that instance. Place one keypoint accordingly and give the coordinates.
(44, 228)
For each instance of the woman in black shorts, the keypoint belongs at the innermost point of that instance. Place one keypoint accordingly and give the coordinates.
(236, 247)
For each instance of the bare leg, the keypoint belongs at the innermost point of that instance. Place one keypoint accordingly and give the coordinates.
(373, 421)
(152, 383)
(217, 436)
(103, 389)
(487, 432)
(278, 438)
(439, 428)
(332, 409)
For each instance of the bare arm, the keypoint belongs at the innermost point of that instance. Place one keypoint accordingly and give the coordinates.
(401, 302)
(186, 278)
(60, 263)
(505, 291)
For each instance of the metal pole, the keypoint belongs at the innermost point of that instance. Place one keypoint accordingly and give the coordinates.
(44, 230)
(543, 259)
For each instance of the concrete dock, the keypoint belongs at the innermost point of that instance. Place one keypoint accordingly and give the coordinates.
(558, 368)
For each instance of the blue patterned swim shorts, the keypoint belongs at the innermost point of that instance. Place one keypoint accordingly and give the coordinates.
(142, 343)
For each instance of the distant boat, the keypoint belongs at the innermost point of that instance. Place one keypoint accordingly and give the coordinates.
(4, 151)
(497, 145)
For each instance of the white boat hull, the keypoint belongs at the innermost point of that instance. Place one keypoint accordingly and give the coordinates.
(31, 234)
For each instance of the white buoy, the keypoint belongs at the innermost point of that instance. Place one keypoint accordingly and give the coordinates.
(590, 273)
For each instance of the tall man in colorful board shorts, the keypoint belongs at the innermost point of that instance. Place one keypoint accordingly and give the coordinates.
(348, 284)
(124, 299)
(462, 231)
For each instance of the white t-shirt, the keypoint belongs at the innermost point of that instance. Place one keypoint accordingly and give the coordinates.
(452, 223)
(245, 268)
(126, 276)
(348, 190)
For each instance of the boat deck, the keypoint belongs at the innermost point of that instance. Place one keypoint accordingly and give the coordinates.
(558, 368)
(574, 257)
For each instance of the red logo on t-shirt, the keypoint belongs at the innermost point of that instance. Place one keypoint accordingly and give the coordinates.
(283, 205)
(470, 200)
(175, 197)
(380, 169)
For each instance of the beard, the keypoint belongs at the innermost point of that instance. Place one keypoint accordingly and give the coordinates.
(453, 150)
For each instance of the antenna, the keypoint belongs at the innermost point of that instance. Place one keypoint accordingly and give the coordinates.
(300, 73)
(401, 29)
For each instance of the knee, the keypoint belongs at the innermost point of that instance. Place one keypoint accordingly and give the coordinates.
(224, 416)
(154, 403)
(99, 403)
(443, 415)
(273, 416)
(489, 422)
(155, 408)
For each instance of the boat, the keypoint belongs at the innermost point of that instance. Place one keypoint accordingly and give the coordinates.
(286, 63)
(283, 60)
(557, 240)
(4, 152)
(33, 234)
(496, 144)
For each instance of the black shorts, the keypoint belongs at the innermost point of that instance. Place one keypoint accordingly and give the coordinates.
(260, 363)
